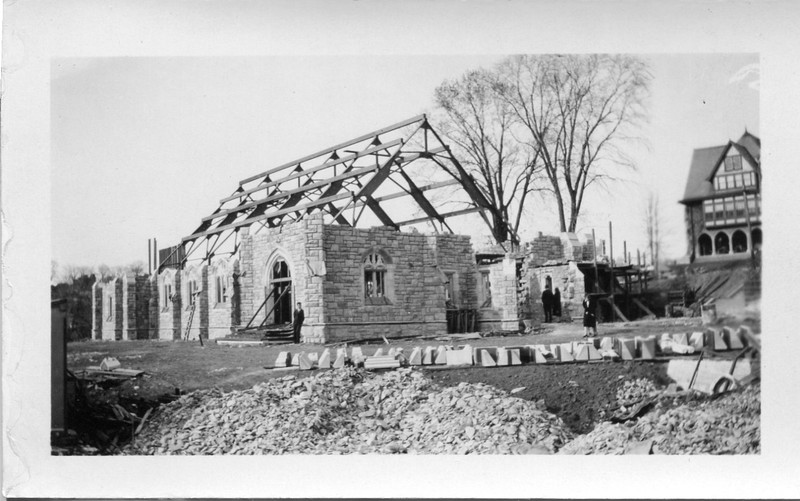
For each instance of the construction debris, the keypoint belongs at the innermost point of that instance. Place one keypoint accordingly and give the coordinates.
(352, 411)
(726, 425)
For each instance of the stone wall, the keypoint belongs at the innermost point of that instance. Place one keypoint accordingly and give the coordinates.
(544, 248)
(415, 290)
(97, 311)
(695, 225)
(219, 303)
(169, 311)
(300, 245)
(135, 302)
(570, 282)
(111, 310)
(454, 256)
(153, 307)
(503, 314)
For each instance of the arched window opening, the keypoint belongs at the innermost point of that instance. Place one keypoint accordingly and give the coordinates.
(110, 307)
(192, 290)
(722, 243)
(739, 241)
(756, 238)
(704, 245)
(221, 286)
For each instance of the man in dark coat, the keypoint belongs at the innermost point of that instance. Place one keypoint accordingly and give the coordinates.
(547, 302)
(299, 316)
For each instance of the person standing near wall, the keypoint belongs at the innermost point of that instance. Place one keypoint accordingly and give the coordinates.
(589, 316)
(547, 303)
(297, 323)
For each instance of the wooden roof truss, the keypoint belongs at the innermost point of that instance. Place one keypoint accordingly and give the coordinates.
(342, 182)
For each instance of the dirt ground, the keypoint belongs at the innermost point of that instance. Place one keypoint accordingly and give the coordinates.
(581, 394)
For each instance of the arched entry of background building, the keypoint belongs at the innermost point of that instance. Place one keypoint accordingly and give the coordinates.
(279, 285)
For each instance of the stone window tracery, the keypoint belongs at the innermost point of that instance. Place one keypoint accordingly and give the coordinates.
(376, 278)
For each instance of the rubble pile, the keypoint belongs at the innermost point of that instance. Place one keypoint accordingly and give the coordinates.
(729, 424)
(351, 411)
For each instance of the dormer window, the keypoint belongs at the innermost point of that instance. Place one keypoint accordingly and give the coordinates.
(733, 163)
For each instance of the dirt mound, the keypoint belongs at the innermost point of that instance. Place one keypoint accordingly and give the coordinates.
(351, 411)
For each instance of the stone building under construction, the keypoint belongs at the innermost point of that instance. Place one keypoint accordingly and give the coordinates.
(325, 231)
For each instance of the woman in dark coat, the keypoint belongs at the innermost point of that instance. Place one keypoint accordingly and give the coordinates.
(557, 302)
(589, 319)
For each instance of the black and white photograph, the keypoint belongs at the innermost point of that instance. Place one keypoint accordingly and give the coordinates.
(422, 249)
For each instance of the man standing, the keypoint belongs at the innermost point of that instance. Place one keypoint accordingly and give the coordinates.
(299, 316)
(547, 302)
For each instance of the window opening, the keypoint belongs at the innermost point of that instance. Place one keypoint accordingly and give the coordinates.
(110, 307)
(704, 244)
(721, 243)
(374, 276)
(487, 289)
(739, 241)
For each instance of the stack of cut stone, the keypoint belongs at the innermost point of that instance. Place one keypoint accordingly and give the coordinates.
(350, 411)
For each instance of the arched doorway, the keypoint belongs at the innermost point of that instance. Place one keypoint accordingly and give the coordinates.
(739, 241)
(279, 292)
(704, 244)
(722, 243)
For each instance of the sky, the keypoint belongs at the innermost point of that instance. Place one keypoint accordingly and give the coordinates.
(144, 147)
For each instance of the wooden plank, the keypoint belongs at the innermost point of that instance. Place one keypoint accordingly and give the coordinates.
(444, 216)
(618, 312)
(400, 194)
(339, 146)
(376, 208)
(423, 202)
(248, 222)
(286, 194)
(376, 180)
(305, 172)
(642, 307)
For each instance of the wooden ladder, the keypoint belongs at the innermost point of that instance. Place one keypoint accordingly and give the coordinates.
(191, 317)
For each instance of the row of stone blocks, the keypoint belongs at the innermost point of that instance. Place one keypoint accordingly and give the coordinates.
(604, 348)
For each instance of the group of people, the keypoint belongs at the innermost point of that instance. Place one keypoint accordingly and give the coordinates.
(551, 301)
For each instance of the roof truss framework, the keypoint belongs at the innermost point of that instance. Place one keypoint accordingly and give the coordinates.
(342, 182)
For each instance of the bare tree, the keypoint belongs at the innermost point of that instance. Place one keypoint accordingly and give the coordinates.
(479, 125)
(576, 111)
(652, 220)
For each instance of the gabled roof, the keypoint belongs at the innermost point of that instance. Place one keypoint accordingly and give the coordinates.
(705, 162)
(365, 176)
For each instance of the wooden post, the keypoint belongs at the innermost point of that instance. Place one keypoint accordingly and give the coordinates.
(594, 256)
(611, 255)
(625, 251)
(749, 227)
(149, 258)
(638, 258)
(155, 254)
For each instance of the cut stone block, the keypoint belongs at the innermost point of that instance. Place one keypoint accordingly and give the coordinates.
(664, 343)
(393, 351)
(339, 363)
(514, 357)
(479, 354)
(304, 362)
(717, 339)
(459, 357)
(416, 356)
(682, 349)
(646, 347)
(356, 355)
(342, 352)
(582, 354)
(606, 343)
(502, 356)
(295, 360)
(325, 359)
(440, 357)
(539, 357)
(524, 356)
(609, 355)
(594, 354)
(680, 338)
(732, 338)
(568, 347)
(627, 348)
(708, 373)
(314, 357)
(109, 364)
(381, 362)
(487, 360)
(746, 334)
(565, 354)
(427, 355)
(378, 352)
(697, 340)
(284, 359)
